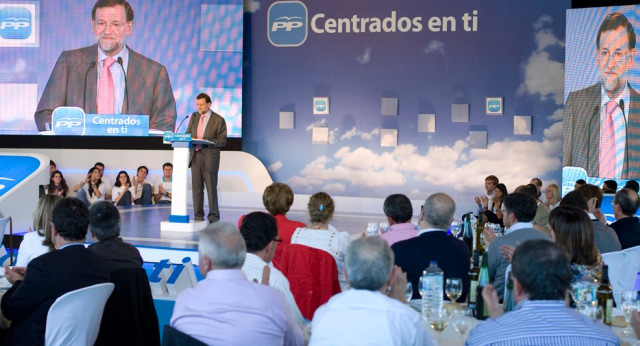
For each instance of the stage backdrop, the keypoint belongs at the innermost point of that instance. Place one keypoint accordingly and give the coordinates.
(403, 87)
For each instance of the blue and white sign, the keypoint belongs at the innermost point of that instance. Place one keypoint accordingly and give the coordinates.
(287, 24)
(320, 105)
(19, 24)
(72, 121)
(14, 169)
(494, 106)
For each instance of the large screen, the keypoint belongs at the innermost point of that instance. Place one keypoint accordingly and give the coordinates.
(176, 50)
(602, 104)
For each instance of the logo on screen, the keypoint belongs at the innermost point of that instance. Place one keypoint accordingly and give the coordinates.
(15, 23)
(68, 121)
(493, 105)
(320, 105)
(287, 24)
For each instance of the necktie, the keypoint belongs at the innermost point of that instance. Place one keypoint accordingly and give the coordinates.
(608, 143)
(200, 130)
(105, 88)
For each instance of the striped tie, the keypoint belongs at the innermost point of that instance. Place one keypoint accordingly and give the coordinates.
(608, 143)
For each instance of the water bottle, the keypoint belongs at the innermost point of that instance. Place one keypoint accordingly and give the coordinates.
(432, 289)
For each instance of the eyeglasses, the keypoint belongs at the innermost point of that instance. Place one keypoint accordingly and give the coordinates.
(616, 55)
(100, 25)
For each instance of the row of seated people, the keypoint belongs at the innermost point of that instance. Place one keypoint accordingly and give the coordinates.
(95, 187)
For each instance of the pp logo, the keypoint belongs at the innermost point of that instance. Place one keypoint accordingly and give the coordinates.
(287, 23)
(15, 23)
(68, 121)
(320, 106)
(493, 106)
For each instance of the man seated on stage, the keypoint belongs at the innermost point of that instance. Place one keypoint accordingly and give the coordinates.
(163, 185)
(227, 309)
(49, 276)
(370, 312)
(143, 187)
(609, 186)
(104, 223)
(541, 278)
(398, 210)
(94, 79)
(105, 181)
(260, 233)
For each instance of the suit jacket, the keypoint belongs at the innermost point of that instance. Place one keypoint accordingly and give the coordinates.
(605, 237)
(117, 254)
(582, 132)
(216, 131)
(148, 88)
(628, 231)
(413, 256)
(48, 277)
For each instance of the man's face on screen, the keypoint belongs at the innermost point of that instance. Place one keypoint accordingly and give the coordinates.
(615, 59)
(110, 28)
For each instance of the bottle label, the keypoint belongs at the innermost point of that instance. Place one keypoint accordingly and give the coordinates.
(473, 292)
(608, 311)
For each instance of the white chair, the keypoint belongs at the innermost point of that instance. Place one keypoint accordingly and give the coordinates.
(74, 318)
(628, 274)
(506, 281)
(614, 261)
(3, 224)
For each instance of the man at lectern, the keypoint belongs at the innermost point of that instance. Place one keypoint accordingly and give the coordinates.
(205, 159)
(602, 121)
(93, 78)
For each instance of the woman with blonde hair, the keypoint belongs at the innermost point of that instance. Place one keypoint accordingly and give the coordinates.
(38, 242)
(553, 196)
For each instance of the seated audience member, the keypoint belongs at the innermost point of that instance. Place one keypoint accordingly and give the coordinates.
(579, 183)
(105, 181)
(495, 215)
(541, 220)
(605, 237)
(91, 189)
(398, 210)
(537, 183)
(369, 313)
(519, 210)
(121, 194)
(52, 167)
(163, 196)
(38, 242)
(553, 196)
(227, 309)
(609, 186)
(57, 185)
(627, 225)
(541, 278)
(51, 275)
(320, 235)
(633, 185)
(143, 187)
(490, 183)
(104, 223)
(433, 244)
(260, 233)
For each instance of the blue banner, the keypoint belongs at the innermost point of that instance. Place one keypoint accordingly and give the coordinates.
(72, 121)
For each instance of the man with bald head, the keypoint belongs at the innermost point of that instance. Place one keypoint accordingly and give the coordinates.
(627, 226)
(433, 244)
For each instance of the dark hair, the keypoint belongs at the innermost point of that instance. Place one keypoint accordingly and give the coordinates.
(398, 208)
(613, 21)
(141, 167)
(575, 199)
(258, 229)
(628, 201)
(493, 179)
(70, 217)
(502, 188)
(589, 191)
(117, 183)
(52, 163)
(277, 198)
(113, 3)
(574, 233)
(204, 96)
(51, 188)
(99, 180)
(167, 164)
(104, 220)
(320, 207)
(633, 185)
(537, 182)
(99, 164)
(610, 185)
(580, 182)
(528, 189)
(543, 269)
(522, 205)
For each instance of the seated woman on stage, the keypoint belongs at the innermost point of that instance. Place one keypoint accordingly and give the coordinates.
(320, 235)
(91, 189)
(121, 191)
(38, 242)
(57, 185)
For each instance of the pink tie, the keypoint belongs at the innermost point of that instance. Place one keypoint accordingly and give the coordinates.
(200, 130)
(608, 143)
(105, 88)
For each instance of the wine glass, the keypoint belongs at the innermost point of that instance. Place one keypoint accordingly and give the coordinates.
(629, 303)
(409, 293)
(439, 320)
(462, 320)
(456, 228)
(453, 288)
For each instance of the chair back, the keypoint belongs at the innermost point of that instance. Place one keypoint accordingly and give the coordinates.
(506, 281)
(628, 273)
(614, 261)
(3, 224)
(74, 318)
(174, 337)
(312, 275)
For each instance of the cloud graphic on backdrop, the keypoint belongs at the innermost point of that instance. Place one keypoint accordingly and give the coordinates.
(336, 187)
(274, 167)
(365, 57)
(435, 46)
(364, 135)
(543, 76)
(323, 123)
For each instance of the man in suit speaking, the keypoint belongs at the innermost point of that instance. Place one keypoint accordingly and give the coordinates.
(93, 78)
(205, 160)
(602, 122)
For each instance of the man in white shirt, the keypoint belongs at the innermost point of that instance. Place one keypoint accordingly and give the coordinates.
(260, 233)
(143, 187)
(163, 185)
(490, 183)
(105, 181)
(369, 313)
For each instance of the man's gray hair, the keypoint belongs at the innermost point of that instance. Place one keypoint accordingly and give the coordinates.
(223, 244)
(369, 263)
(104, 220)
(439, 209)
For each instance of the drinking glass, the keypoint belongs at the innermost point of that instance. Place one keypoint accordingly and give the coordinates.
(409, 293)
(462, 320)
(453, 288)
(439, 320)
(456, 228)
(629, 303)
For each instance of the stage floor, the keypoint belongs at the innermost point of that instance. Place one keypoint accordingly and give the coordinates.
(141, 224)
